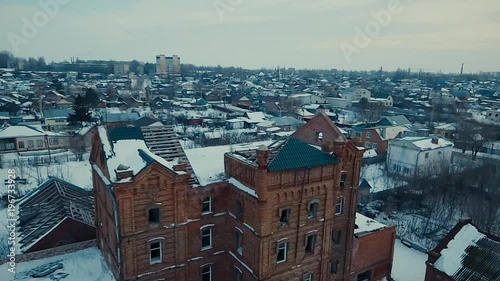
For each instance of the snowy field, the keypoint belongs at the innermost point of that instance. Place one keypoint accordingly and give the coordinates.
(84, 265)
(408, 264)
(376, 176)
(77, 173)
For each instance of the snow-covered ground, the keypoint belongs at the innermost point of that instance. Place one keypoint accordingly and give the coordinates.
(84, 265)
(376, 176)
(408, 264)
(77, 173)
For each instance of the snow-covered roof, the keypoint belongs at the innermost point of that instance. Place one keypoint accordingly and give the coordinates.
(369, 153)
(208, 162)
(447, 127)
(23, 131)
(366, 225)
(423, 143)
(389, 133)
(468, 245)
(131, 152)
(255, 116)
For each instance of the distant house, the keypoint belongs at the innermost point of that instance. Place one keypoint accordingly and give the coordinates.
(233, 124)
(159, 102)
(23, 138)
(377, 138)
(287, 123)
(56, 117)
(442, 96)
(356, 94)
(144, 121)
(53, 97)
(119, 119)
(447, 131)
(418, 155)
(315, 108)
(383, 99)
(493, 115)
(465, 253)
(308, 99)
(398, 120)
(133, 102)
(56, 213)
(64, 103)
(460, 93)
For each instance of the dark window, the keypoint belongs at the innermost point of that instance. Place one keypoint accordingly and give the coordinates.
(206, 238)
(206, 273)
(39, 143)
(239, 208)
(285, 216)
(31, 144)
(313, 210)
(238, 237)
(155, 253)
(311, 243)
(21, 144)
(334, 266)
(336, 236)
(154, 215)
(207, 205)
(365, 276)
(282, 251)
(309, 276)
(343, 178)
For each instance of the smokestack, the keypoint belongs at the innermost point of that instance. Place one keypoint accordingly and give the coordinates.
(462, 69)
(435, 140)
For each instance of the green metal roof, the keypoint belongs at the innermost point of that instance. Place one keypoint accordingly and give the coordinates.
(295, 154)
(125, 133)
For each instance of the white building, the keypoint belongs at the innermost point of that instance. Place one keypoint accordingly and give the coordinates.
(356, 94)
(493, 115)
(308, 99)
(418, 155)
(442, 96)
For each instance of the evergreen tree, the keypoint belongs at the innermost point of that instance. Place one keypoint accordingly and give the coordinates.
(81, 112)
(56, 84)
(91, 97)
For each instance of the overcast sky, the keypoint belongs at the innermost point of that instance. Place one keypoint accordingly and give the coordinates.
(431, 35)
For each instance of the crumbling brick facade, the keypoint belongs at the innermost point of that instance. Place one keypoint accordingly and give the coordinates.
(246, 227)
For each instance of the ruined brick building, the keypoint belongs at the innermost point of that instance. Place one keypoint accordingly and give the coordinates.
(280, 211)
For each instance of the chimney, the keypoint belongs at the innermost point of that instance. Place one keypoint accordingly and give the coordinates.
(335, 148)
(123, 172)
(262, 157)
(435, 140)
(181, 166)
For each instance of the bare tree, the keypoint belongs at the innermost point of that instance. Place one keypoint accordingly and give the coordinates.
(370, 111)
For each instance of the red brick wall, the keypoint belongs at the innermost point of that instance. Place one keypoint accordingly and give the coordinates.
(69, 231)
(375, 138)
(181, 220)
(374, 251)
